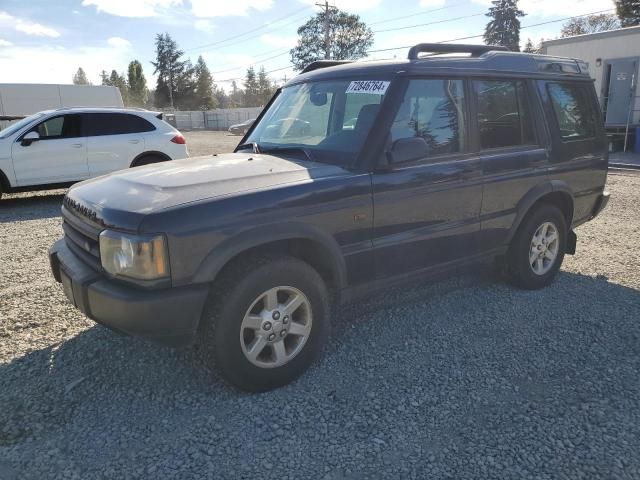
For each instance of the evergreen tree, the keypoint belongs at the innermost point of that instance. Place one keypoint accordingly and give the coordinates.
(170, 70)
(204, 86)
(251, 89)
(236, 97)
(104, 77)
(222, 100)
(350, 38)
(138, 93)
(266, 88)
(628, 12)
(80, 78)
(528, 47)
(117, 80)
(185, 88)
(504, 26)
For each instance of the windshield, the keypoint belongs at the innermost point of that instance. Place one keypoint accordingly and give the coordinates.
(14, 127)
(330, 120)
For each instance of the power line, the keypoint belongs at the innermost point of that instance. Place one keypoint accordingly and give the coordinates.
(502, 31)
(445, 20)
(256, 60)
(416, 14)
(435, 22)
(267, 72)
(261, 27)
(450, 39)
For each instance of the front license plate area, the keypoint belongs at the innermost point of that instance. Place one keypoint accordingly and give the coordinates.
(67, 286)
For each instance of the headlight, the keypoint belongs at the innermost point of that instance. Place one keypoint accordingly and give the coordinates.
(134, 256)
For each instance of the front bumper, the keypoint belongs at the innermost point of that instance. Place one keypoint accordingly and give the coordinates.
(169, 316)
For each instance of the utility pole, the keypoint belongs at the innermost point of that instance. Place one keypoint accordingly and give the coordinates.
(327, 36)
(171, 84)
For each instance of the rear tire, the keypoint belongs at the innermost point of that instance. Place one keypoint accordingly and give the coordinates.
(147, 160)
(247, 332)
(537, 250)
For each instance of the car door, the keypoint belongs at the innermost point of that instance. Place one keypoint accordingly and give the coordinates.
(512, 146)
(58, 156)
(427, 201)
(579, 156)
(114, 141)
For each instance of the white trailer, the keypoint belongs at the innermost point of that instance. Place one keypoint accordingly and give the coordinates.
(22, 99)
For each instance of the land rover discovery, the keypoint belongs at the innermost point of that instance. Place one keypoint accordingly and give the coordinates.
(355, 177)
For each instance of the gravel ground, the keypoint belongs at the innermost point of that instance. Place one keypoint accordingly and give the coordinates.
(466, 378)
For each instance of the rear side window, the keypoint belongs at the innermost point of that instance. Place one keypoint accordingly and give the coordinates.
(99, 124)
(64, 126)
(572, 109)
(504, 119)
(433, 110)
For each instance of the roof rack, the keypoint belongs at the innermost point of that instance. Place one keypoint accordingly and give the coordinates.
(323, 64)
(437, 48)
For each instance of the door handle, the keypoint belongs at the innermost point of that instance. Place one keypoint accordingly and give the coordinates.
(134, 141)
(77, 145)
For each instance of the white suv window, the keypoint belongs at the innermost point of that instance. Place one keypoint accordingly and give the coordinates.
(99, 124)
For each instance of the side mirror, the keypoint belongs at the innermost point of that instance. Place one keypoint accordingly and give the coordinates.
(29, 138)
(407, 150)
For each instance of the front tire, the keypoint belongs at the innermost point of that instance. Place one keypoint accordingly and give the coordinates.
(265, 323)
(537, 249)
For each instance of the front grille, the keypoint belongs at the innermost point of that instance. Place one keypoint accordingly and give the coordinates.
(82, 239)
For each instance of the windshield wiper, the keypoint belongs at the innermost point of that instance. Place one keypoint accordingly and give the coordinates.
(254, 146)
(306, 151)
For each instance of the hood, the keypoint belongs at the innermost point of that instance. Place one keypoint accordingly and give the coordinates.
(123, 198)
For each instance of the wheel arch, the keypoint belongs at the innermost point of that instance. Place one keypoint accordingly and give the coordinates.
(555, 192)
(315, 247)
(5, 186)
(150, 153)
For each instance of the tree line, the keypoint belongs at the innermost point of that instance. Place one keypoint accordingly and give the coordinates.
(181, 85)
(330, 34)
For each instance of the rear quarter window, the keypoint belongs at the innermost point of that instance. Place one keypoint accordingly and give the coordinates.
(572, 109)
(99, 124)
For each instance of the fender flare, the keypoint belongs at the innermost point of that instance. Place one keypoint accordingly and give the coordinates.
(533, 196)
(229, 248)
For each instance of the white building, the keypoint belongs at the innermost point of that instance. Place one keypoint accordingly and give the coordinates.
(613, 59)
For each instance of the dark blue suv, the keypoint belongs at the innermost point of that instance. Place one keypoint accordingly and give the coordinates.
(355, 177)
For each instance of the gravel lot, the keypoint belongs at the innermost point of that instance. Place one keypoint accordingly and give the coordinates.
(466, 378)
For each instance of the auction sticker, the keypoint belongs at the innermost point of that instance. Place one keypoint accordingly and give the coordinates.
(374, 87)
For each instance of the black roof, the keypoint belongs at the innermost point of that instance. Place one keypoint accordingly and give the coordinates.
(482, 60)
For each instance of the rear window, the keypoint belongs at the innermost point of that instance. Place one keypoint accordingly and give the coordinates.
(504, 119)
(573, 111)
(99, 124)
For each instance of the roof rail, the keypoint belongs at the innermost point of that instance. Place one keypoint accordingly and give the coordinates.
(474, 50)
(323, 64)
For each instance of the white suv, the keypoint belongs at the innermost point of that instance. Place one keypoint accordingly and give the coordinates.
(60, 147)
